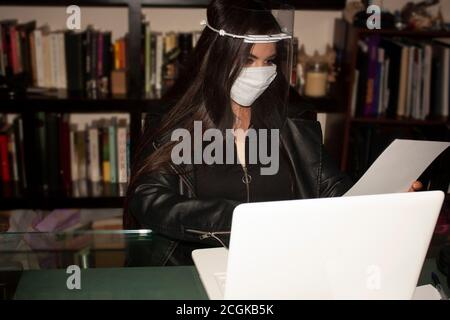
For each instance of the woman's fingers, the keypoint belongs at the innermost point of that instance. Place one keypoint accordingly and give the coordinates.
(417, 185)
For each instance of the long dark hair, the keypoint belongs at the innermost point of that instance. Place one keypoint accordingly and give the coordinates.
(202, 91)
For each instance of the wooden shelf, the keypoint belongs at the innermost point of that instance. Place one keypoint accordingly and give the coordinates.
(82, 105)
(401, 121)
(406, 33)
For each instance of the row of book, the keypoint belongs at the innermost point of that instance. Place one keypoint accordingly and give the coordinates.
(164, 55)
(61, 59)
(85, 61)
(82, 162)
(68, 160)
(399, 77)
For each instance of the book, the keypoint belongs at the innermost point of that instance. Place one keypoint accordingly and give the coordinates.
(65, 155)
(122, 160)
(112, 140)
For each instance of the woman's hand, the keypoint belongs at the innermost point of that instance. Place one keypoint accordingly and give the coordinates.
(416, 186)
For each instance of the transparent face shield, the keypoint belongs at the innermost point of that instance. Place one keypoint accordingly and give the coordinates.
(270, 23)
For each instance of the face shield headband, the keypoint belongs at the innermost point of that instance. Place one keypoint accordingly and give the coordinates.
(249, 38)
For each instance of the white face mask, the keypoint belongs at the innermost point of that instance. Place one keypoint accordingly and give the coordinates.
(251, 83)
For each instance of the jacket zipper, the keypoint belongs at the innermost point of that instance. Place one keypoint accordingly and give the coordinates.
(246, 179)
(209, 234)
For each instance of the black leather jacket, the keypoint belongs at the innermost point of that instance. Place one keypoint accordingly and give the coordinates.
(167, 204)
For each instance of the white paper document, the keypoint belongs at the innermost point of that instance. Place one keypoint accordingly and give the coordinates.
(400, 164)
(426, 292)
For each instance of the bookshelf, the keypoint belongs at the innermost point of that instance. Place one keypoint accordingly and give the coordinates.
(346, 38)
(27, 105)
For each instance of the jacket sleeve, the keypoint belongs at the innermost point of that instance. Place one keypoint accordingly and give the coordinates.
(332, 181)
(157, 205)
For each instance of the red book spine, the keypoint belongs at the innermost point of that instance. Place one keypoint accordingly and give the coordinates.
(4, 162)
(13, 48)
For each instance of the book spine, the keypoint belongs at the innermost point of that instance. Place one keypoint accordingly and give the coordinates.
(116, 55)
(55, 64)
(445, 83)
(82, 161)
(18, 130)
(53, 152)
(13, 49)
(41, 145)
(148, 60)
(66, 179)
(13, 156)
(426, 82)
(62, 61)
(73, 153)
(39, 58)
(371, 75)
(112, 149)
(47, 58)
(159, 64)
(33, 59)
(93, 154)
(375, 109)
(100, 55)
(19, 50)
(4, 161)
(128, 153)
(122, 153)
(105, 152)
(401, 109)
(2, 53)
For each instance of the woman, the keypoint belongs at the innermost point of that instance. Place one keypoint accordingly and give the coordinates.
(230, 83)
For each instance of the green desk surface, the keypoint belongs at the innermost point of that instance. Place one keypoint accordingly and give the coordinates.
(133, 283)
(114, 283)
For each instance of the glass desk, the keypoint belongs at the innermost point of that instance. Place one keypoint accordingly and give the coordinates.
(33, 266)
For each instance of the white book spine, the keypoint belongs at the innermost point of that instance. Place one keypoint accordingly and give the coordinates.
(62, 84)
(159, 62)
(46, 58)
(54, 60)
(73, 155)
(94, 165)
(12, 148)
(122, 153)
(39, 58)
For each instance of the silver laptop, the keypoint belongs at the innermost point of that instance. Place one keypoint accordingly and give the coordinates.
(361, 247)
